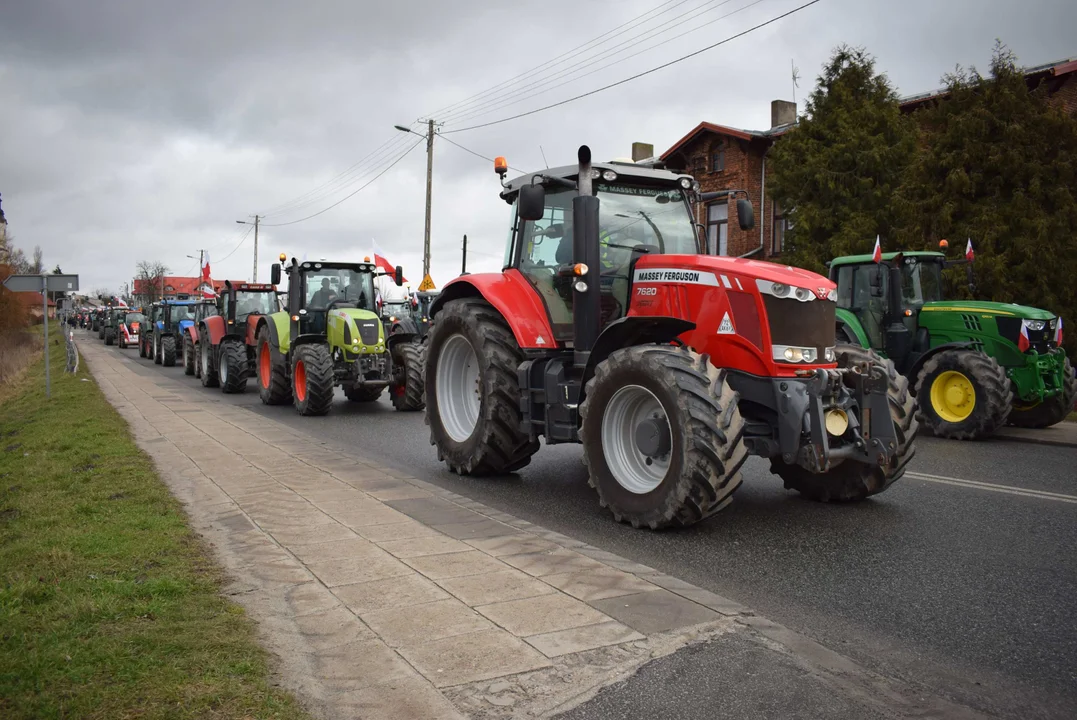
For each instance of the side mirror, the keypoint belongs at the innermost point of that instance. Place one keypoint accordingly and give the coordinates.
(532, 202)
(398, 276)
(274, 276)
(745, 214)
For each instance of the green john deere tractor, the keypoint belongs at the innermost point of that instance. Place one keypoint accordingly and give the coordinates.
(975, 365)
(330, 335)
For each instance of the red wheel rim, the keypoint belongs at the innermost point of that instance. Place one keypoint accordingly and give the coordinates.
(265, 370)
(300, 376)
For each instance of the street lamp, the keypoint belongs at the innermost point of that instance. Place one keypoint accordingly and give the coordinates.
(429, 187)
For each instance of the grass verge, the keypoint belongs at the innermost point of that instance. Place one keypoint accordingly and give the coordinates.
(109, 604)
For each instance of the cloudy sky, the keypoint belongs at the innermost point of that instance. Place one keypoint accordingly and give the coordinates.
(143, 129)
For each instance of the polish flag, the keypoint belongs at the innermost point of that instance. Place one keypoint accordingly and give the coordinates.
(1058, 333)
(205, 267)
(877, 255)
(969, 254)
(1023, 343)
(381, 262)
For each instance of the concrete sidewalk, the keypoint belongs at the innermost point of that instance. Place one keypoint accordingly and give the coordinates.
(383, 596)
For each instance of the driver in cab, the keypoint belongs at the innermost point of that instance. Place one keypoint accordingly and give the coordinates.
(323, 296)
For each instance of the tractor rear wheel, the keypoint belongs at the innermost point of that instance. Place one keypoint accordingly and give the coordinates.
(662, 436)
(110, 339)
(206, 372)
(232, 366)
(168, 350)
(156, 352)
(472, 391)
(407, 390)
(312, 379)
(848, 481)
(363, 393)
(1051, 411)
(142, 348)
(273, 386)
(963, 395)
(189, 358)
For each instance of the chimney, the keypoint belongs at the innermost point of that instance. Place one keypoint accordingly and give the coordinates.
(782, 112)
(641, 151)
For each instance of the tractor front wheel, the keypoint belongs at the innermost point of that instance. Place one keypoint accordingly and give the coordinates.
(1051, 411)
(407, 388)
(189, 357)
(156, 352)
(963, 395)
(848, 481)
(168, 350)
(110, 339)
(142, 348)
(312, 379)
(662, 436)
(233, 366)
(206, 371)
(472, 391)
(272, 373)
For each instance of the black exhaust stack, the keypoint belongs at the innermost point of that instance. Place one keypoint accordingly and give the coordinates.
(586, 291)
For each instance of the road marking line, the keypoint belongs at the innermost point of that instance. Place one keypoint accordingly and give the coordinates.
(1008, 489)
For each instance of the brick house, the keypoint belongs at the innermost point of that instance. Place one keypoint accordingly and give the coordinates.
(172, 287)
(726, 158)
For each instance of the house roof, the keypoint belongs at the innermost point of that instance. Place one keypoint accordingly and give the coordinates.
(31, 299)
(738, 133)
(1033, 75)
(181, 285)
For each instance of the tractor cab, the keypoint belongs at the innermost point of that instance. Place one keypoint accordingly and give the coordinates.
(316, 288)
(244, 300)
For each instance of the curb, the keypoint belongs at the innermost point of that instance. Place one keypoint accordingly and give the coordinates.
(1039, 437)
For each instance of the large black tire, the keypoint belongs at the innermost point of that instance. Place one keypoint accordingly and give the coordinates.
(407, 390)
(168, 350)
(101, 332)
(190, 360)
(273, 385)
(313, 379)
(363, 393)
(207, 371)
(694, 473)
(991, 401)
(496, 445)
(110, 338)
(849, 481)
(1052, 410)
(232, 366)
(142, 348)
(156, 352)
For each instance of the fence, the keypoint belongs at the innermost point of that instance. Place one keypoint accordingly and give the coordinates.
(72, 351)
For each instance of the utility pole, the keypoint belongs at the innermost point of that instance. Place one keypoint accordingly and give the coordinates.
(257, 218)
(463, 264)
(429, 190)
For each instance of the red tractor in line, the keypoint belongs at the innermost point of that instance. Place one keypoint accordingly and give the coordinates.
(609, 328)
(224, 346)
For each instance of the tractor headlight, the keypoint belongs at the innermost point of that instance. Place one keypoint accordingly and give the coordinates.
(829, 355)
(686, 183)
(802, 294)
(779, 289)
(832, 296)
(794, 354)
(1035, 324)
(609, 175)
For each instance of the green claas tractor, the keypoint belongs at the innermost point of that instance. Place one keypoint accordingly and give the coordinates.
(330, 335)
(975, 365)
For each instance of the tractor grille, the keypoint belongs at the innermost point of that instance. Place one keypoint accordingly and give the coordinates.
(1042, 341)
(800, 324)
(368, 331)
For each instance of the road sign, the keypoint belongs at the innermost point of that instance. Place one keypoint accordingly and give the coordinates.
(427, 284)
(32, 283)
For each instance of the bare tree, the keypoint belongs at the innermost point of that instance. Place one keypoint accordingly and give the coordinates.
(37, 265)
(149, 277)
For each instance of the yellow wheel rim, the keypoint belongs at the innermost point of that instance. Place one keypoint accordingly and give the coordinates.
(953, 398)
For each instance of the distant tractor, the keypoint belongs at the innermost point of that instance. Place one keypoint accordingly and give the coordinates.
(153, 314)
(110, 328)
(189, 347)
(226, 345)
(330, 335)
(406, 325)
(168, 330)
(130, 327)
(974, 365)
(100, 317)
(609, 328)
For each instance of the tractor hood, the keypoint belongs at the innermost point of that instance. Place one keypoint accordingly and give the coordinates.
(989, 308)
(184, 324)
(732, 267)
(355, 327)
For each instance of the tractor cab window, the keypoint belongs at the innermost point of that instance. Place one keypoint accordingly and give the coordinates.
(869, 307)
(262, 303)
(545, 244)
(921, 282)
(181, 312)
(133, 318)
(342, 285)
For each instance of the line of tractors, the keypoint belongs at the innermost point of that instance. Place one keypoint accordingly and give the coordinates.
(610, 328)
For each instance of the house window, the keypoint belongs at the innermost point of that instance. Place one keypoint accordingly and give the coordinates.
(718, 159)
(783, 223)
(169, 288)
(717, 228)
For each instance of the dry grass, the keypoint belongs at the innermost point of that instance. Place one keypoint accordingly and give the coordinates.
(18, 348)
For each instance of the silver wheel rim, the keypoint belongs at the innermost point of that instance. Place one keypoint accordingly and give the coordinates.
(223, 370)
(458, 391)
(205, 360)
(632, 470)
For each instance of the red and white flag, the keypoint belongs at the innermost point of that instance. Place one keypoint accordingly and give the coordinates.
(1023, 343)
(382, 262)
(877, 254)
(205, 267)
(969, 254)
(1058, 333)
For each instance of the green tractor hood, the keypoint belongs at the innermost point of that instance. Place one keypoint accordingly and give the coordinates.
(1023, 312)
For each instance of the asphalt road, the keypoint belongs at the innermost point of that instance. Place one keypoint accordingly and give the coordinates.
(968, 591)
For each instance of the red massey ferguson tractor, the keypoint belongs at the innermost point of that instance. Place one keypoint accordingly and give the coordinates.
(225, 346)
(607, 327)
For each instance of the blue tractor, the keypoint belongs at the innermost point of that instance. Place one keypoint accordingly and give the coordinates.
(169, 326)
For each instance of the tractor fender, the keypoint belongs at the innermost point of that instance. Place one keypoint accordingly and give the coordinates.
(193, 331)
(513, 296)
(279, 329)
(402, 331)
(634, 330)
(917, 364)
(213, 327)
(848, 321)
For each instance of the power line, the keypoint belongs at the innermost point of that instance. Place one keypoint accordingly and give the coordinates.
(237, 247)
(585, 63)
(637, 75)
(353, 193)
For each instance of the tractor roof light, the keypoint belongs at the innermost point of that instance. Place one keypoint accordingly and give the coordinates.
(282, 257)
(501, 165)
(944, 243)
